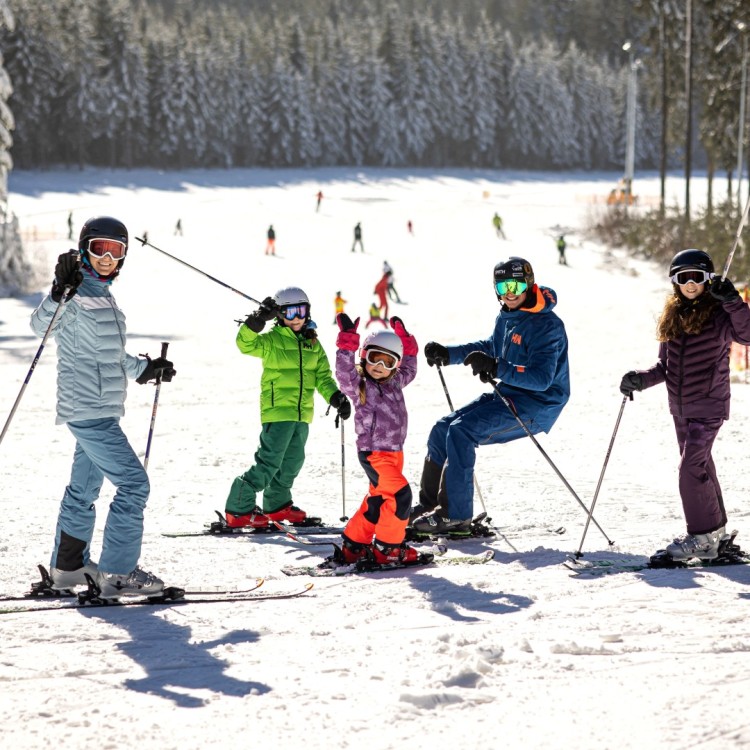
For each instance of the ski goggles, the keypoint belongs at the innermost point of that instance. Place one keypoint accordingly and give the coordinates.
(99, 247)
(510, 286)
(690, 274)
(295, 311)
(377, 357)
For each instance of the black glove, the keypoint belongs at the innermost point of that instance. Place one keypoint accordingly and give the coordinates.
(342, 405)
(159, 369)
(436, 354)
(67, 273)
(346, 324)
(268, 310)
(631, 381)
(723, 290)
(483, 365)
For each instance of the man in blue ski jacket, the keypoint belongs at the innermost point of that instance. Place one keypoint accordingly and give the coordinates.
(528, 354)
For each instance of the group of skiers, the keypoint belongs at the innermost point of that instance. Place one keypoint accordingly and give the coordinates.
(524, 358)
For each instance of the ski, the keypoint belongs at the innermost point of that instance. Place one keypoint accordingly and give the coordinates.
(426, 559)
(729, 554)
(313, 527)
(172, 596)
(481, 528)
(44, 590)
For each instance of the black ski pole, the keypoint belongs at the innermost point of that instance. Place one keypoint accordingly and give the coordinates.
(736, 239)
(164, 346)
(39, 351)
(207, 275)
(450, 406)
(544, 453)
(601, 476)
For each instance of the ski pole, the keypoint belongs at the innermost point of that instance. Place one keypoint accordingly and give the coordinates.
(450, 406)
(736, 238)
(164, 346)
(557, 471)
(601, 476)
(144, 241)
(39, 351)
(344, 517)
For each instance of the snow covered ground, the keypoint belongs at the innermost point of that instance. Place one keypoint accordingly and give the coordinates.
(515, 653)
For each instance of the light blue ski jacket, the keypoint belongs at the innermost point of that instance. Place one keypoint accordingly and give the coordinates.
(92, 365)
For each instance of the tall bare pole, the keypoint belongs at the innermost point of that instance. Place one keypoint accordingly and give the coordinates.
(688, 103)
(664, 107)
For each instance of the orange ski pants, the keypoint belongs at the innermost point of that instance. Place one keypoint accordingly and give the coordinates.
(384, 512)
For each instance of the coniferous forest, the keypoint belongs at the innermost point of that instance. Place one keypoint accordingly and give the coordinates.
(481, 83)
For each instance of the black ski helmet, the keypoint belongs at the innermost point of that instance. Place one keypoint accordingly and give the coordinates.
(691, 259)
(102, 227)
(514, 268)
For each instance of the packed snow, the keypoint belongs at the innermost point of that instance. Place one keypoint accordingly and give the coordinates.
(517, 653)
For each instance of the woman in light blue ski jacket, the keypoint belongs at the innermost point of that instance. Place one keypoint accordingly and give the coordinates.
(92, 373)
(92, 365)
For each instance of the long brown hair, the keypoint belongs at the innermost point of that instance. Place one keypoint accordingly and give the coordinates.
(681, 315)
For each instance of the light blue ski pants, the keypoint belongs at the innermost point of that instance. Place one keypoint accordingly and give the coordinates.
(102, 450)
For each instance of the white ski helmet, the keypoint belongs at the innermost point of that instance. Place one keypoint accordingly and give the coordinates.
(384, 341)
(290, 295)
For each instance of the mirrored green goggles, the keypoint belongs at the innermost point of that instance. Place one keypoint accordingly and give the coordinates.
(510, 286)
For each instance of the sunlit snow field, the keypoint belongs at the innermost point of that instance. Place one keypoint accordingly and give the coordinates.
(515, 653)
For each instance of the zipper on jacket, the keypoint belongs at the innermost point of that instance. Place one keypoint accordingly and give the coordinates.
(681, 371)
(299, 395)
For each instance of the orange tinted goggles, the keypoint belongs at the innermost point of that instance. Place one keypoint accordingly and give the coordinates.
(99, 247)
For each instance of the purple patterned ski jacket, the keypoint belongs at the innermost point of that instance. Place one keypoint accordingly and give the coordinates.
(381, 422)
(695, 367)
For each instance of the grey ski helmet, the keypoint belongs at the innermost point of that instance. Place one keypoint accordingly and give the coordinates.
(290, 295)
(384, 341)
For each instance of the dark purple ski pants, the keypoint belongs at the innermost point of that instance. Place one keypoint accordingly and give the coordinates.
(699, 487)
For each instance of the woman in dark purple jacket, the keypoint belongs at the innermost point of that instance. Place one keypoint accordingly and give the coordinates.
(701, 318)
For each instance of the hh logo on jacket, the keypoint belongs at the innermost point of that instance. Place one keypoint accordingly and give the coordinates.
(516, 339)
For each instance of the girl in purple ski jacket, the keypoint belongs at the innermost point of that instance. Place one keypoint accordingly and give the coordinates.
(387, 364)
(701, 317)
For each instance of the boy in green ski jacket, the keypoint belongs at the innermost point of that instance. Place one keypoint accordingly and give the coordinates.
(294, 367)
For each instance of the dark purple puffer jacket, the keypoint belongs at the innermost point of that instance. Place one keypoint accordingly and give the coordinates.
(695, 367)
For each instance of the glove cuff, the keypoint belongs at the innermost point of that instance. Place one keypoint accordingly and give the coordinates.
(347, 341)
(411, 348)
